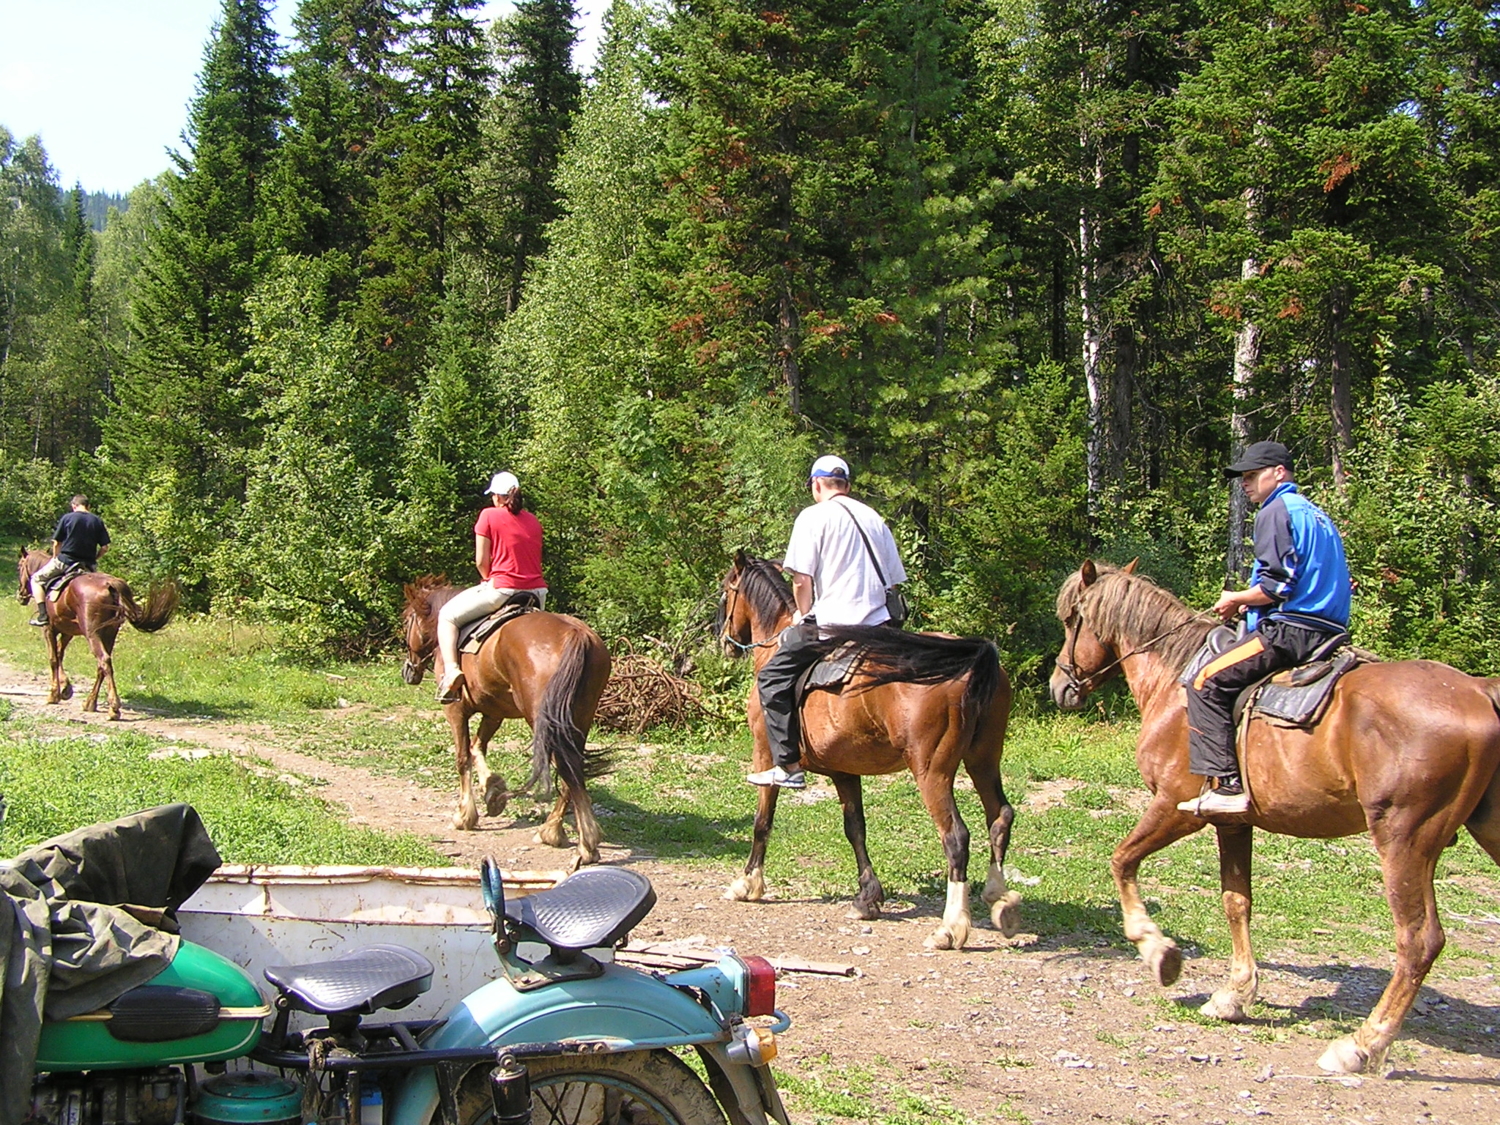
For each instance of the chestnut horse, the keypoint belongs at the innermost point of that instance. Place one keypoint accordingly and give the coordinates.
(546, 668)
(1407, 751)
(93, 606)
(922, 702)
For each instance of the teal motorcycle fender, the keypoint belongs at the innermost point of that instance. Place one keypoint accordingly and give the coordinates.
(621, 1010)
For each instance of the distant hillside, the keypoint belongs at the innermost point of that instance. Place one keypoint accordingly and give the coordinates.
(96, 205)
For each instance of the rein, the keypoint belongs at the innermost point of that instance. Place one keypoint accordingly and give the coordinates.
(729, 616)
(1089, 682)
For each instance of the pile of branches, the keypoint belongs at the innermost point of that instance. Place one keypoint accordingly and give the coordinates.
(642, 694)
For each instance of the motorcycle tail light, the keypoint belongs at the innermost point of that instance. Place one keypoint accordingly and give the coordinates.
(761, 999)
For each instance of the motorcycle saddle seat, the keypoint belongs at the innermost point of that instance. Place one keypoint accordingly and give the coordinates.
(364, 981)
(590, 909)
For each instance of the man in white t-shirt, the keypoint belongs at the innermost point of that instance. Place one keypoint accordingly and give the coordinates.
(842, 558)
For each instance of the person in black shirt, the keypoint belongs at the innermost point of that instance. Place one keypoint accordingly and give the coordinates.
(80, 540)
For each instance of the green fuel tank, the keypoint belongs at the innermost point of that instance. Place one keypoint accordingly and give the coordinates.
(199, 1008)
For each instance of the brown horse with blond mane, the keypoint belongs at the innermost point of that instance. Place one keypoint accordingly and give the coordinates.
(93, 606)
(546, 668)
(920, 701)
(1407, 751)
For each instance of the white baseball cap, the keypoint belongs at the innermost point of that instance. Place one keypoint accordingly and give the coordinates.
(830, 466)
(503, 484)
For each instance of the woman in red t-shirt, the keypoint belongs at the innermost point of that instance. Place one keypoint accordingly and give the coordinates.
(508, 556)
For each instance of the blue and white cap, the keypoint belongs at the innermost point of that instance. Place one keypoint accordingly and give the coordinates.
(830, 466)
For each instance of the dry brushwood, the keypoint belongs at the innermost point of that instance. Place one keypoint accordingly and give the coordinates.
(641, 694)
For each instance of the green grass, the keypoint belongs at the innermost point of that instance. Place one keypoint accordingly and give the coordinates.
(820, 1092)
(682, 797)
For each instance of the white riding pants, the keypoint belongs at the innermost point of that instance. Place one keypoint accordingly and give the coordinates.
(470, 605)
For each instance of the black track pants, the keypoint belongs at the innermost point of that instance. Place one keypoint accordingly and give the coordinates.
(1210, 699)
(777, 685)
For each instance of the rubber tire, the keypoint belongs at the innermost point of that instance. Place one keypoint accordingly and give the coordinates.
(662, 1090)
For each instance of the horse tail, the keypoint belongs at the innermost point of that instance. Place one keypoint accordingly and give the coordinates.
(889, 656)
(161, 603)
(556, 740)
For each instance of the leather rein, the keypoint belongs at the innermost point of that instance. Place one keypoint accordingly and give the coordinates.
(1086, 684)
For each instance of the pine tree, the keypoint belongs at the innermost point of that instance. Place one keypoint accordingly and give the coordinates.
(184, 421)
(535, 100)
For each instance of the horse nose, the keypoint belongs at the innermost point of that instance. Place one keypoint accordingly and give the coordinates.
(411, 673)
(1066, 693)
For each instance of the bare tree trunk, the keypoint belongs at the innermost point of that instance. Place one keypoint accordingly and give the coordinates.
(1339, 396)
(788, 335)
(1121, 395)
(1246, 359)
(1093, 339)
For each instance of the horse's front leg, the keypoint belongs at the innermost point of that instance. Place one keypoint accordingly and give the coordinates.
(466, 814)
(1004, 903)
(1408, 857)
(936, 787)
(62, 687)
(751, 886)
(492, 785)
(1160, 825)
(1233, 1000)
(871, 894)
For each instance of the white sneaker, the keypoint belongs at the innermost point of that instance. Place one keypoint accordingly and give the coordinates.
(794, 779)
(1214, 803)
(452, 687)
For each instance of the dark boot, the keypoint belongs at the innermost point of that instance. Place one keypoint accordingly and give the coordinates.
(39, 618)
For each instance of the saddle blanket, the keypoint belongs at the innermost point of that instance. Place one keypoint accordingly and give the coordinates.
(54, 586)
(832, 672)
(473, 634)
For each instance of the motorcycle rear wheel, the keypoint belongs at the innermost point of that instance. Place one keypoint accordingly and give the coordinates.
(630, 1088)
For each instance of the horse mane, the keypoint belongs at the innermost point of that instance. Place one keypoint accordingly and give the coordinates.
(768, 593)
(428, 594)
(1131, 609)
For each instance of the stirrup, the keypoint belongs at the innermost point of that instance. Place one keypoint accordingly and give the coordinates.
(453, 691)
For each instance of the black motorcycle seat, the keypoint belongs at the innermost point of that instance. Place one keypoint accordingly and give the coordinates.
(364, 981)
(590, 909)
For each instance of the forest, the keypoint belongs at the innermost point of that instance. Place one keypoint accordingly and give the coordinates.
(1036, 268)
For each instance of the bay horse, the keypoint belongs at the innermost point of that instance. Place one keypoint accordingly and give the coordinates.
(1408, 751)
(546, 668)
(921, 701)
(93, 606)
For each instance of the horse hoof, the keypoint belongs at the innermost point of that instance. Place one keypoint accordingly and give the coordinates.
(1344, 1056)
(553, 839)
(114, 717)
(464, 823)
(495, 796)
(66, 693)
(1005, 914)
(1165, 962)
(1224, 1005)
(745, 889)
(863, 911)
(947, 938)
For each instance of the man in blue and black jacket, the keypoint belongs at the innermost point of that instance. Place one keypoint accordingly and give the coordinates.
(1297, 601)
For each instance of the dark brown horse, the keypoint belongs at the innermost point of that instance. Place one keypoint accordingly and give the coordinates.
(922, 702)
(93, 606)
(1408, 751)
(546, 668)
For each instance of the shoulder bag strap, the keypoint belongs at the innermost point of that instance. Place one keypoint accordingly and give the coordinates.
(868, 549)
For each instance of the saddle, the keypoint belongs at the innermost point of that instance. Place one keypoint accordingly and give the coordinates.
(473, 634)
(53, 587)
(831, 673)
(1291, 697)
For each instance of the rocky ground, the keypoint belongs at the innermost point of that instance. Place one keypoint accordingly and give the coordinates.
(1049, 1028)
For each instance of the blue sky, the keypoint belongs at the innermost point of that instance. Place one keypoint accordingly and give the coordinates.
(106, 83)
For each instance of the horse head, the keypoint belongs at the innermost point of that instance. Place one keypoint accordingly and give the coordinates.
(30, 562)
(419, 625)
(1086, 661)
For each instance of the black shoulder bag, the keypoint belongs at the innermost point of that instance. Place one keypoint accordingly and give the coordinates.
(895, 601)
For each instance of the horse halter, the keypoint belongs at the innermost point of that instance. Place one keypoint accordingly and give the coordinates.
(412, 669)
(726, 615)
(1087, 684)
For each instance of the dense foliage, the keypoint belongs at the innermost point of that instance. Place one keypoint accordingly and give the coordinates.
(1035, 267)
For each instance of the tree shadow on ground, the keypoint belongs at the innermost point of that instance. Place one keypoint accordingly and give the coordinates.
(175, 707)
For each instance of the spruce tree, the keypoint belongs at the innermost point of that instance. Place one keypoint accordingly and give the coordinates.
(184, 420)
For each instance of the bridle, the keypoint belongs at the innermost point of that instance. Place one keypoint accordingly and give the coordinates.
(726, 615)
(1086, 684)
(411, 668)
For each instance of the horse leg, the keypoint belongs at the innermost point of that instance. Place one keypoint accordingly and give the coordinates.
(751, 886)
(466, 814)
(64, 686)
(1160, 825)
(492, 785)
(871, 894)
(104, 672)
(588, 825)
(937, 794)
(1004, 903)
(553, 832)
(1408, 857)
(54, 665)
(1230, 1002)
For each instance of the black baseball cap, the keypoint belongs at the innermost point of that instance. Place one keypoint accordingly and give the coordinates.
(1261, 455)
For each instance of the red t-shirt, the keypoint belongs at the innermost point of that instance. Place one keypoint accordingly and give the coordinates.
(515, 548)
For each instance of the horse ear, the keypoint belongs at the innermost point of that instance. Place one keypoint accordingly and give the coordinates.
(741, 560)
(1129, 568)
(1087, 573)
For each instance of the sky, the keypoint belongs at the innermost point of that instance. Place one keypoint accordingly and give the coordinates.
(106, 83)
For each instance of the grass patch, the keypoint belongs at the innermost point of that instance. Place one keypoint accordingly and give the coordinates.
(54, 785)
(819, 1091)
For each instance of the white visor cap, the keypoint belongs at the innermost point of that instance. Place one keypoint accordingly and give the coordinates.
(503, 484)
